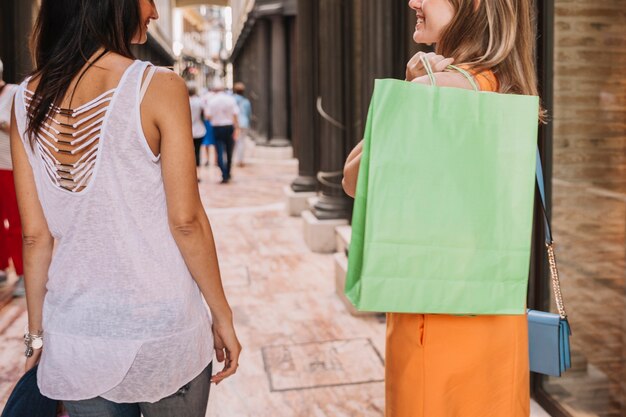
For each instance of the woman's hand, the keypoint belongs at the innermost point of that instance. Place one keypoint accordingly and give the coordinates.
(33, 360)
(351, 170)
(227, 349)
(415, 67)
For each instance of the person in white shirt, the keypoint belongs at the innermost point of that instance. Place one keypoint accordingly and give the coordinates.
(222, 112)
(198, 130)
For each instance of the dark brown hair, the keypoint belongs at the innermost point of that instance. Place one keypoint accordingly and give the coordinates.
(66, 35)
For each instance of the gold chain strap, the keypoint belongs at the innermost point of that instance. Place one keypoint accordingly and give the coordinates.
(556, 281)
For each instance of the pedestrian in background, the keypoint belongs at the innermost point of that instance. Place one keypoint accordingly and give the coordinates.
(209, 138)
(444, 365)
(245, 114)
(222, 111)
(104, 167)
(198, 130)
(10, 228)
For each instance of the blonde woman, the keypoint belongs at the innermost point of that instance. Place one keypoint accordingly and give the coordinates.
(453, 366)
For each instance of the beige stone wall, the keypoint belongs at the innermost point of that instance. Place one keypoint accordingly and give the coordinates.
(590, 92)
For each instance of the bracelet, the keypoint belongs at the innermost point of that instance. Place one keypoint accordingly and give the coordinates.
(33, 341)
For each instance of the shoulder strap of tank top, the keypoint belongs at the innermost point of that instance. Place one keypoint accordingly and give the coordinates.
(146, 82)
(21, 108)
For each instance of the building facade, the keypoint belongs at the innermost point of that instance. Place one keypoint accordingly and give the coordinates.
(18, 17)
(16, 21)
(336, 48)
(584, 145)
(263, 58)
(310, 67)
(199, 44)
(310, 78)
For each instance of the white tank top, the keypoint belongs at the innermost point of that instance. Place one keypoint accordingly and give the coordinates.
(123, 317)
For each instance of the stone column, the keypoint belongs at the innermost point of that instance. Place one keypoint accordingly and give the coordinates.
(331, 108)
(385, 44)
(263, 109)
(16, 22)
(278, 80)
(305, 126)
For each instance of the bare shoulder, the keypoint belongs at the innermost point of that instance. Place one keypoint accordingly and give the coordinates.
(166, 95)
(166, 83)
(446, 79)
(166, 100)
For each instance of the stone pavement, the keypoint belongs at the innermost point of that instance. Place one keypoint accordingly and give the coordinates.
(304, 354)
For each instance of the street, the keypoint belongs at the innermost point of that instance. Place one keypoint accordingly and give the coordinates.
(303, 353)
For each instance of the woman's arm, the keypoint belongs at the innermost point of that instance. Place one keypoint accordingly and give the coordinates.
(37, 240)
(351, 170)
(167, 106)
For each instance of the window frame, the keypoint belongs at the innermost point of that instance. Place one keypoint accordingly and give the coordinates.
(539, 283)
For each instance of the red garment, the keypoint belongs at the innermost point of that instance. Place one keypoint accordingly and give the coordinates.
(10, 226)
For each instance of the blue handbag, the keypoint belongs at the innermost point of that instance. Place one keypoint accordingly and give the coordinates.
(549, 333)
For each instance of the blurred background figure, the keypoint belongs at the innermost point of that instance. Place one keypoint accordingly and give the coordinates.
(209, 138)
(198, 129)
(10, 228)
(222, 111)
(245, 114)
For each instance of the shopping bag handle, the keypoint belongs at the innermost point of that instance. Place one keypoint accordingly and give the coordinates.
(431, 74)
(554, 271)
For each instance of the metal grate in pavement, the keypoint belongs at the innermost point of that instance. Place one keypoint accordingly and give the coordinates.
(322, 364)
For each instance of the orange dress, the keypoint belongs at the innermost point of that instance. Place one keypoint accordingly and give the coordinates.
(457, 366)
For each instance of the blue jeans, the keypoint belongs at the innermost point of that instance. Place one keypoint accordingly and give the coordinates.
(189, 401)
(224, 143)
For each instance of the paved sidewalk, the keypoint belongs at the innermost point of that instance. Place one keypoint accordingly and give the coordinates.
(304, 354)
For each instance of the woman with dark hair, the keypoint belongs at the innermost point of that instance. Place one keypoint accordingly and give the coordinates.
(104, 170)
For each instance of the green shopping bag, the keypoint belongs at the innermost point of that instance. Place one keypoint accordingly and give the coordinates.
(443, 211)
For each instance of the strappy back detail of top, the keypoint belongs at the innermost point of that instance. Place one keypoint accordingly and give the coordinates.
(70, 139)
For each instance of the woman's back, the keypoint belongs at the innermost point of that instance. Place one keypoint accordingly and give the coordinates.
(118, 286)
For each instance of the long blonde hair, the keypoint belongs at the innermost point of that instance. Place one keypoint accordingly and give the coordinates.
(496, 35)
